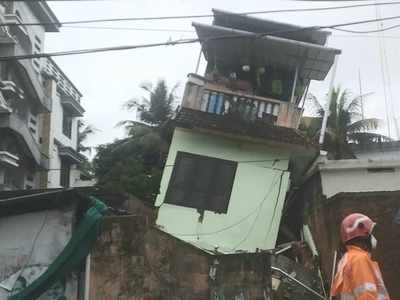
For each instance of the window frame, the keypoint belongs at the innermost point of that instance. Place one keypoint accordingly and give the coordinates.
(67, 128)
(65, 174)
(220, 207)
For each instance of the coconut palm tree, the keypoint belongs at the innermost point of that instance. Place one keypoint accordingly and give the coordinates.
(84, 131)
(156, 109)
(345, 124)
(153, 112)
(134, 164)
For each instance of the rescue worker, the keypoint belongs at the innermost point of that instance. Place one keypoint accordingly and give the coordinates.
(358, 277)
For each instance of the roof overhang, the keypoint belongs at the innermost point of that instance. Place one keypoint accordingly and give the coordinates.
(258, 25)
(27, 201)
(352, 164)
(72, 106)
(68, 153)
(45, 15)
(238, 47)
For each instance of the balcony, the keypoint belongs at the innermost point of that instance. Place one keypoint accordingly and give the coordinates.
(9, 159)
(68, 153)
(64, 86)
(203, 95)
(18, 31)
(72, 106)
(32, 148)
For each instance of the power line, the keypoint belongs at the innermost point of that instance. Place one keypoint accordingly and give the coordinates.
(369, 31)
(396, 37)
(189, 41)
(259, 212)
(131, 28)
(199, 15)
(240, 221)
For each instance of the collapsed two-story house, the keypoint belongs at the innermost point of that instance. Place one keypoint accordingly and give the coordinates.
(39, 106)
(236, 148)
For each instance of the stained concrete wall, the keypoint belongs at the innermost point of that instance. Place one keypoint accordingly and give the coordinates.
(132, 260)
(30, 243)
(383, 207)
(355, 175)
(256, 201)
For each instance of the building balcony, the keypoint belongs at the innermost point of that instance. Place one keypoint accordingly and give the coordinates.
(72, 106)
(32, 80)
(64, 86)
(206, 96)
(68, 153)
(9, 159)
(30, 146)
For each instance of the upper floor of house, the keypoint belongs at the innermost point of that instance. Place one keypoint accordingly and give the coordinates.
(258, 70)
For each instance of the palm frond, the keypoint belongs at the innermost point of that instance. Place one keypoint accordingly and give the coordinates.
(132, 123)
(364, 125)
(368, 137)
(134, 103)
(147, 86)
(314, 104)
(355, 104)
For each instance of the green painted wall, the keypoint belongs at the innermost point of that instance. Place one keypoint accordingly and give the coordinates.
(254, 211)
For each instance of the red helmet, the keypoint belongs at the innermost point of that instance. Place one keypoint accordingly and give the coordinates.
(356, 225)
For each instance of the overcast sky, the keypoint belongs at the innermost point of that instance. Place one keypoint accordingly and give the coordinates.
(108, 79)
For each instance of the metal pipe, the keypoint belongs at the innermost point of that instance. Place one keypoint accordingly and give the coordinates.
(299, 283)
(87, 277)
(333, 272)
(198, 60)
(296, 74)
(328, 104)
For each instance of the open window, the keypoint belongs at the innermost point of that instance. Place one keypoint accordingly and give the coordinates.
(201, 182)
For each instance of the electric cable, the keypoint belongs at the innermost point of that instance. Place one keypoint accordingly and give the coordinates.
(259, 212)
(189, 41)
(385, 91)
(194, 16)
(240, 221)
(44, 221)
(132, 29)
(368, 31)
(276, 206)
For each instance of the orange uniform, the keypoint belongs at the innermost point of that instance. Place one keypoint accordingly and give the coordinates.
(358, 277)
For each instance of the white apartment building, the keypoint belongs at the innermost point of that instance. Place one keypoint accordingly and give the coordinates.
(39, 105)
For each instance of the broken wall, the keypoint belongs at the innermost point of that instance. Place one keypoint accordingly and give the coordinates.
(29, 244)
(134, 260)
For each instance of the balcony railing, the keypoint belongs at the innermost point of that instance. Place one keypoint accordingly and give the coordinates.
(209, 97)
(63, 84)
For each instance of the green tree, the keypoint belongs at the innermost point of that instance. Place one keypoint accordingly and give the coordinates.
(345, 124)
(84, 131)
(158, 107)
(134, 164)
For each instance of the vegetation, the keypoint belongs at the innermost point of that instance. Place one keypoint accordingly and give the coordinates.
(84, 131)
(134, 164)
(345, 124)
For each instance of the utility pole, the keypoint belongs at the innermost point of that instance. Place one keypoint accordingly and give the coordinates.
(328, 102)
(361, 95)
